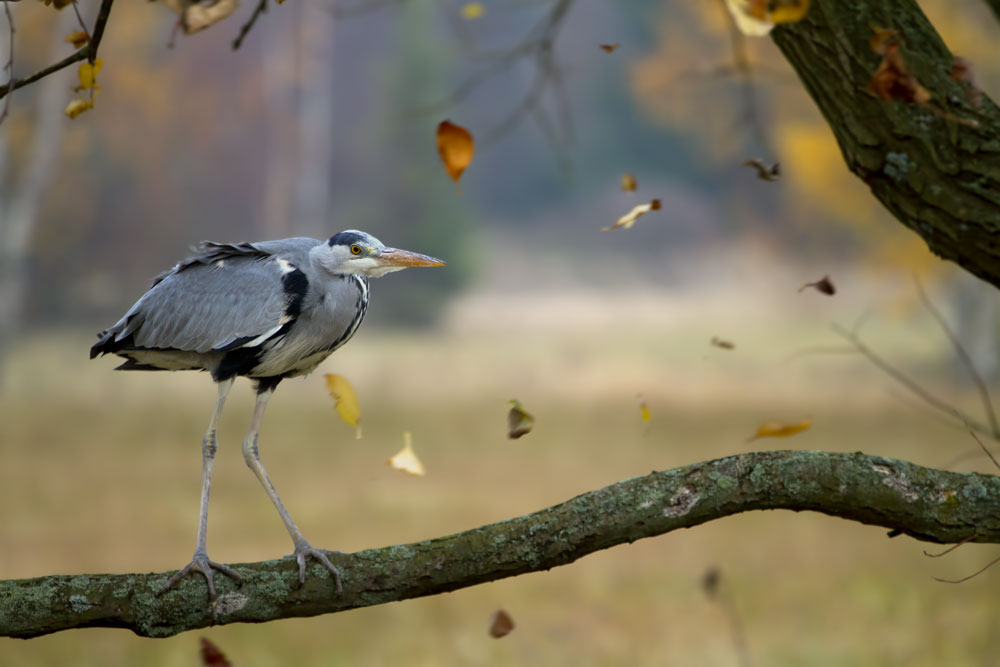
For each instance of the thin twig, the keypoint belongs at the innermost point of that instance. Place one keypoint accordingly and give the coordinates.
(974, 574)
(261, 8)
(984, 393)
(79, 18)
(951, 548)
(10, 60)
(982, 446)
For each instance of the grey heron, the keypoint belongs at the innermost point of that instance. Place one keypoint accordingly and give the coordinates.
(265, 311)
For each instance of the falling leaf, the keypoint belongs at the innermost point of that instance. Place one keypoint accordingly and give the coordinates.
(710, 581)
(406, 459)
(345, 400)
(88, 75)
(824, 285)
(610, 48)
(195, 16)
(644, 411)
(779, 430)
(961, 72)
(765, 172)
(744, 13)
(519, 422)
(211, 656)
(628, 182)
(77, 38)
(627, 220)
(723, 344)
(455, 146)
(500, 624)
(77, 107)
(473, 10)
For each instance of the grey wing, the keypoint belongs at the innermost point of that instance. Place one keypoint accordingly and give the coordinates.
(212, 302)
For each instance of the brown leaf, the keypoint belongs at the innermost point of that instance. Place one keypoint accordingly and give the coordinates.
(892, 80)
(629, 218)
(211, 656)
(500, 624)
(77, 38)
(456, 147)
(961, 72)
(629, 183)
(519, 421)
(610, 48)
(724, 344)
(824, 285)
(710, 581)
(765, 172)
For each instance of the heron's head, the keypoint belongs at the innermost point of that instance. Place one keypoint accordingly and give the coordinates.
(359, 253)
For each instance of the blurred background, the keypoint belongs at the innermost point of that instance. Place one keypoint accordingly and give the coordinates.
(324, 120)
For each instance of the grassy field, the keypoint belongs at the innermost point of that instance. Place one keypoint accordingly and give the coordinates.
(100, 473)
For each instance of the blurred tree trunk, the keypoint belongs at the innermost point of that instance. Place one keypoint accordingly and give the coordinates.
(21, 199)
(938, 175)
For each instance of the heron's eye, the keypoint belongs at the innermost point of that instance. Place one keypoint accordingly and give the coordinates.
(355, 249)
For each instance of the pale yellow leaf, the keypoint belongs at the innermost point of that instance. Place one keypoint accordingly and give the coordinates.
(472, 10)
(519, 421)
(406, 459)
(779, 429)
(345, 400)
(627, 220)
(77, 107)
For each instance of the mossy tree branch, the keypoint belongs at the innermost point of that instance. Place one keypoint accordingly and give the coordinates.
(936, 167)
(927, 504)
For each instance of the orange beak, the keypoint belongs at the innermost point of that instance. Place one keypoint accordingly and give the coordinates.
(405, 258)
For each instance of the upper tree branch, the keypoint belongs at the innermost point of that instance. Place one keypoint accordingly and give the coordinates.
(925, 503)
(87, 52)
(939, 177)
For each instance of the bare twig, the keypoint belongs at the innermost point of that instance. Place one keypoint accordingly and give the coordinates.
(971, 576)
(951, 548)
(984, 393)
(87, 52)
(79, 18)
(983, 447)
(261, 8)
(10, 59)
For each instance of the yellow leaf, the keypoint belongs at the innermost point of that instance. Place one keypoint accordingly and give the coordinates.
(644, 412)
(456, 147)
(519, 422)
(345, 400)
(500, 624)
(406, 459)
(779, 430)
(629, 183)
(88, 75)
(473, 10)
(77, 38)
(627, 220)
(77, 107)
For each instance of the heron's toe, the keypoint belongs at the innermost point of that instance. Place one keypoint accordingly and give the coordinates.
(305, 550)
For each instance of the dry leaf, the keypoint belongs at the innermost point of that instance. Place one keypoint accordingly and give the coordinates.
(197, 16)
(627, 220)
(892, 81)
(472, 10)
(406, 459)
(756, 18)
(710, 582)
(961, 72)
(519, 422)
(345, 400)
(779, 430)
(88, 75)
(211, 656)
(500, 624)
(456, 147)
(610, 48)
(629, 183)
(723, 344)
(765, 172)
(77, 38)
(824, 285)
(644, 411)
(77, 107)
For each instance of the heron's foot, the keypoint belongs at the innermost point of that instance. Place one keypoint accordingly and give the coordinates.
(305, 549)
(201, 563)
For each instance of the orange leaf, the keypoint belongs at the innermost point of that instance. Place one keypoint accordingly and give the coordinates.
(779, 430)
(456, 147)
(77, 38)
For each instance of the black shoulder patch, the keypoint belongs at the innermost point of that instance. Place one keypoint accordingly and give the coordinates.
(296, 286)
(345, 238)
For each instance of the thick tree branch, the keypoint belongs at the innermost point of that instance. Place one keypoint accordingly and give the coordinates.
(939, 177)
(927, 504)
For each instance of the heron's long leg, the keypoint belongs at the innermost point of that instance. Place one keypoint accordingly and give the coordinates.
(200, 560)
(252, 456)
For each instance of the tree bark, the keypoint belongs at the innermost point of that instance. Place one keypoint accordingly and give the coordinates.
(927, 504)
(935, 174)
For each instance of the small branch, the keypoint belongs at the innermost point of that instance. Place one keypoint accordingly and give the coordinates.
(10, 60)
(261, 8)
(971, 576)
(98, 33)
(924, 503)
(984, 393)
